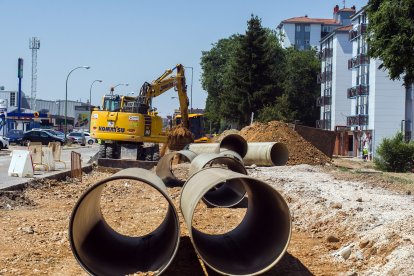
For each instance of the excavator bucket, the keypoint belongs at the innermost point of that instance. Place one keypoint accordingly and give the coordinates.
(178, 137)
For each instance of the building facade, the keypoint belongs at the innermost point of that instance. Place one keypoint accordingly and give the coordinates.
(304, 32)
(375, 107)
(335, 52)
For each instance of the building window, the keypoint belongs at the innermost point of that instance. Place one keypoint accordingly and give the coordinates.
(13, 99)
(298, 28)
(307, 28)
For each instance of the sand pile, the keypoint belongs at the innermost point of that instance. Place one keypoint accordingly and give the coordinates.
(300, 150)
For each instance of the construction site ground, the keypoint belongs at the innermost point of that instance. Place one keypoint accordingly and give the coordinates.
(347, 218)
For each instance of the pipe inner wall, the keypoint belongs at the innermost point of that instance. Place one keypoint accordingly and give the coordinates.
(100, 250)
(164, 167)
(227, 193)
(257, 243)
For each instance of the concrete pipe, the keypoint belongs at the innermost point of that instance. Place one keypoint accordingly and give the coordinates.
(257, 243)
(228, 193)
(164, 167)
(233, 142)
(266, 154)
(100, 250)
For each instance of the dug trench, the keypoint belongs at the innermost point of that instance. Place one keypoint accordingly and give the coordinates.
(329, 215)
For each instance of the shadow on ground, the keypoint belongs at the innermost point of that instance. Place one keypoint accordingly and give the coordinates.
(186, 262)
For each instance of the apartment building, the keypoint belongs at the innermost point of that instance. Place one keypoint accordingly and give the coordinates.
(304, 32)
(334, 79)
(358, 100)
(378, 104)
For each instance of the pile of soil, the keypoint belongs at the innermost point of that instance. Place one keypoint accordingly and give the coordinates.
(300, 150)
(179, 137)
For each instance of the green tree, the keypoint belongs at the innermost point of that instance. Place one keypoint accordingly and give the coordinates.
(214, 64)
(391, 36)
(300, 90)
(253, 79)
(395, 155)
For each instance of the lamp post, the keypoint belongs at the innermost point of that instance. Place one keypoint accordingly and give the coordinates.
(191, 88)
(113, 87)
(66, 97)
(90, 93)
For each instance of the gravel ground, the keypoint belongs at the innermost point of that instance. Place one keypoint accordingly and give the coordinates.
(368, 229)
(340, 225)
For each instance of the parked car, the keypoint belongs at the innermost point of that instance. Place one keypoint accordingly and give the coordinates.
(14, 136)
(40, 136)
(77, 137)
(4, 144)
(56, 133)
(89, 139)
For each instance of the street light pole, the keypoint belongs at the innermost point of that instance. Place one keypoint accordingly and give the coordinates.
(66, 97)
(90, 93)
(191, 89)
(113, 87)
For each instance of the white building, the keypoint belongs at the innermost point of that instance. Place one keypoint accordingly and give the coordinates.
(304, 32)
(334, 79)
(378, 104)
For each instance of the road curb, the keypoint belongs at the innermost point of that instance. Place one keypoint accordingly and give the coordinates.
(59, 175)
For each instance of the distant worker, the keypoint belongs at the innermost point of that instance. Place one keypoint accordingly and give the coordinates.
(365, 153)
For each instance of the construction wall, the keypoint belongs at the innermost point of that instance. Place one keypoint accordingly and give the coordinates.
(324, 140)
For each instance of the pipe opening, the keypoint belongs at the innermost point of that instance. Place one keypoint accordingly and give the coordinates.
(257, 243)
(108, 247)
(222, 195)
(234, 142)
(124, 216)
(173, 168)
(279, 154)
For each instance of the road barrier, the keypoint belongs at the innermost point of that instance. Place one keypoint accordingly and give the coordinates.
(164, 166)
(21, 164)
(233, 142)
(266, 154)
(225, 194)
(100, 250)
(257, 243)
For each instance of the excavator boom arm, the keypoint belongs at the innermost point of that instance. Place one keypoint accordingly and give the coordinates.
(164, 83)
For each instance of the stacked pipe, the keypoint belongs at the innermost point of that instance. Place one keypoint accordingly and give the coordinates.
(218, 177)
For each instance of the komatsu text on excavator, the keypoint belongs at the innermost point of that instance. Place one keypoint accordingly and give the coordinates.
(132, 122)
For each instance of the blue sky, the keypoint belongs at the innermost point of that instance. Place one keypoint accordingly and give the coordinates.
(127, 41)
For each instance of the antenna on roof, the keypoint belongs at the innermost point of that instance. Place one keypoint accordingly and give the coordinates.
(344, 3)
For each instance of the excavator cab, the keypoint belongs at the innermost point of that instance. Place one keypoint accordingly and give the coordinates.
(111, 103)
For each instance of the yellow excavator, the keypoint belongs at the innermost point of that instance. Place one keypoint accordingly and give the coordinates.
(132, 122)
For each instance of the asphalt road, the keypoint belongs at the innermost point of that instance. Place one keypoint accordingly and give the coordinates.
(6, 181)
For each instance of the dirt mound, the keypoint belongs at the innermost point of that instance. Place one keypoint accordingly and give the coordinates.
(300, 150)
(179, 137)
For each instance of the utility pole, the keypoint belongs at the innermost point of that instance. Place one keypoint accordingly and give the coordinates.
(34, 44)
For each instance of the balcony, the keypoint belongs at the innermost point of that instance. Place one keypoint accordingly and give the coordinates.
(323, 124)
(358, 120)
(324, 100)
(324, 77)
(359, 90)
(326, 53)
(355, 62)
(358, 31)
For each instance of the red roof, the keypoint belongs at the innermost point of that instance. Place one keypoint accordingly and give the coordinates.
(305, 19)
(344, 28)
